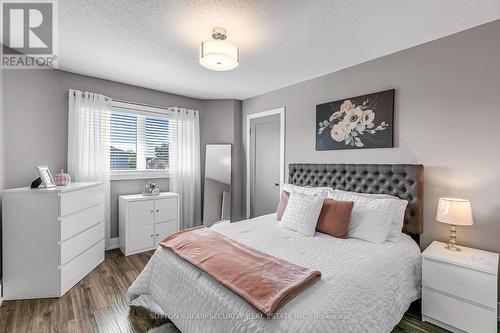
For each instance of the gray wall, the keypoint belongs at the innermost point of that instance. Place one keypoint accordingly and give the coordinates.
(447, 118)
(36, 117)
(220, 122)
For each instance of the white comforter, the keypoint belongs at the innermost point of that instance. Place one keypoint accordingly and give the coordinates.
(365, 287)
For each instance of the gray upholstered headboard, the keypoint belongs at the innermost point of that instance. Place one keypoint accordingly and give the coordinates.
(404, 181)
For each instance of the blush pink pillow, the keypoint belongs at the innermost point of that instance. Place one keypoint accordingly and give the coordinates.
(334, 218)
(282, 205)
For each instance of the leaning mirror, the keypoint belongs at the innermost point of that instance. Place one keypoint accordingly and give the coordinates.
(217, 184)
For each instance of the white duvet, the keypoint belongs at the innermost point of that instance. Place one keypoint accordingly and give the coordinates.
(365, 287)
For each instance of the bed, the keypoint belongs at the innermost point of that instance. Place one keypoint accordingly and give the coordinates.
(364, 286)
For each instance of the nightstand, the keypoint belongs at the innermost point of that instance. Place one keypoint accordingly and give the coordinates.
(459, 289)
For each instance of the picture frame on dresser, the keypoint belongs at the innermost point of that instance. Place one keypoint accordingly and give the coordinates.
(45, 176)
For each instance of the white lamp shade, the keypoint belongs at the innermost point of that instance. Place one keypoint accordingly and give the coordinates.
(454, 211)
(218, 55)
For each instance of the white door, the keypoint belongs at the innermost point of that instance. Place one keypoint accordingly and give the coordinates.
(165, 209)
(164, 229)
(140, 238)
(140, 213)
(264, 164)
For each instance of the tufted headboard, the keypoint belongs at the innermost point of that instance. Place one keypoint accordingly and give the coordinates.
(404, 181)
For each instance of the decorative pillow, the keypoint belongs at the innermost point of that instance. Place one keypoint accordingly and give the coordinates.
(398, 212)
(334, 218)
(282, 205)
(370, 218)
(302, 212)
(307, 190)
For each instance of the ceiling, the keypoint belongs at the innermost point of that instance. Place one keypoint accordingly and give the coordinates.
(154, 44)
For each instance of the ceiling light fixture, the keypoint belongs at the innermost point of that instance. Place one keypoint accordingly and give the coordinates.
(217, 54)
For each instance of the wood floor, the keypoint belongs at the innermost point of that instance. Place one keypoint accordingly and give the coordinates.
(98, 304)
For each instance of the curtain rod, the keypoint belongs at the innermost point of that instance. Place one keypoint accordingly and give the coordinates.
(137, 103)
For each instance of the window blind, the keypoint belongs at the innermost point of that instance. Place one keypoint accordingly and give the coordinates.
(141, 140)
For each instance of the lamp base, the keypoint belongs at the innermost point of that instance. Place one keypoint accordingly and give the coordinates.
(452, 247)
(453, 237)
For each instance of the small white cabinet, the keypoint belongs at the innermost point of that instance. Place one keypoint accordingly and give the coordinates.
(52, 238)
(459, 289)
(147, 220)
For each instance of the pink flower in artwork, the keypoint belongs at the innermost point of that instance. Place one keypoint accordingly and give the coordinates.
(338, 132)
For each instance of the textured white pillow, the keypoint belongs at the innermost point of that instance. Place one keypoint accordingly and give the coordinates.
(302, 213)
(398, 212)
(323, 191)
(370, 218)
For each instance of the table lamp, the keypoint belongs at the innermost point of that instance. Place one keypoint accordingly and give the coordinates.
(454, 212)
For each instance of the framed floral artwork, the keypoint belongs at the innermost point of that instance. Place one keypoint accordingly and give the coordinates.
(365, 121)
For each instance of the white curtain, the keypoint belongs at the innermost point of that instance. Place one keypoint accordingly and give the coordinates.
(185, 176)
(88, 143)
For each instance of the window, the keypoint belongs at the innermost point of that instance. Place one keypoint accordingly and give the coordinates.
(140, 141)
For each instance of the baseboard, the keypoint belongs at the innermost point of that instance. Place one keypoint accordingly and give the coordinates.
(498, 310)
(112, 243)
(1, 294)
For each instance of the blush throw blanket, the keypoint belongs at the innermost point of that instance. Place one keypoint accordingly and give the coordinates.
(266, 282)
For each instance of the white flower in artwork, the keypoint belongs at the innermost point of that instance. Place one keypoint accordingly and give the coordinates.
(346, 106)
(367, 117)
(352, 117)
(338, 132)
(360, 127)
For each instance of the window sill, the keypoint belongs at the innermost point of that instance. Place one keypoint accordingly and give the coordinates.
(131, 175)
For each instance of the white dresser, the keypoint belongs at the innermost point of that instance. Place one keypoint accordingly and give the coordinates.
(459, 289)
(52, 238)
(147, 220)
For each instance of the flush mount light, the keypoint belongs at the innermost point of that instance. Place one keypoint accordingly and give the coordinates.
(217, 54)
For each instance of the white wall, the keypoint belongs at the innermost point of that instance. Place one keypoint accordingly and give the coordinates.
(447, 111)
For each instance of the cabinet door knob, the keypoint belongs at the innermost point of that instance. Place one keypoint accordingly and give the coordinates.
(152, 236)
(152, 211)
(157, 234)
(157, 210)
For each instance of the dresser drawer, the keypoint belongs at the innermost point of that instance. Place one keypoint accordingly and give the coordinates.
(165, 209)
(458, 313)
(462, 282)
(77, 200)
(74, 246)
(75, 223)
(77, 268)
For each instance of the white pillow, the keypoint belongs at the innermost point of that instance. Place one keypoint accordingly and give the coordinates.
(370, 218)
(323, 191)
(302, 213)
(398, 212)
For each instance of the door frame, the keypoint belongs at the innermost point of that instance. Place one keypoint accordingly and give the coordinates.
(281, 112)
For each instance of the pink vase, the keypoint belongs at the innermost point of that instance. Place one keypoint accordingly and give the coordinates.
(62, 179)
